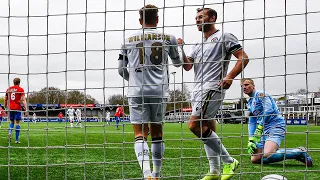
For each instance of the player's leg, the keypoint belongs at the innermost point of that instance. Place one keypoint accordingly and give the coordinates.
(17, 122)
(11, 125)
(140, 127)
(0, 121)
(79, 121)
(206, 105)
(117, 122)
(157, 112)
(272, 154)
(213, 157)
(71, 118)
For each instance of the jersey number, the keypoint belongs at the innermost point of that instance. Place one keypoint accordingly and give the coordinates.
(156, 53)
(13, 96)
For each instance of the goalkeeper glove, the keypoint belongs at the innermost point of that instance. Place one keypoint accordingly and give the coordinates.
(257, 133)
(252, 147)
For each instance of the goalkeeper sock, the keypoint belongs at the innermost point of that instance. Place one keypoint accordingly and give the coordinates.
(11, 126)
(157, 148)
(213, 158)
(282, 154)
(17, 132)
(212, 140)
(141, 149)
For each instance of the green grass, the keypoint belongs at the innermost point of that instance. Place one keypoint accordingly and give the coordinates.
(98, 152)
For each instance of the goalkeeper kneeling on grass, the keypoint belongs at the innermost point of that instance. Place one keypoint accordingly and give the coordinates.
(267, 128)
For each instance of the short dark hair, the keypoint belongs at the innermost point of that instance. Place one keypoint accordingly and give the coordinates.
(149, 14)
(210, 12)
(16, 81)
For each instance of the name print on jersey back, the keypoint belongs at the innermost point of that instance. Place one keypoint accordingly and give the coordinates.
(147, 52)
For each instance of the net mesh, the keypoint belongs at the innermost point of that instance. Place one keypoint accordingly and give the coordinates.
(59, 48)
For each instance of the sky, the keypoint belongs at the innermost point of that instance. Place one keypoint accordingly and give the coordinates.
(281, 39)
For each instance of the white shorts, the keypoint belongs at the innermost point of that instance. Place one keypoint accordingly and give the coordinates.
(206, 103)
(79, 118)
(145, 110)
(71, 118)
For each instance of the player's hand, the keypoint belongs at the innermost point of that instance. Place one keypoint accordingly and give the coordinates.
(180, 41)
(225, 83)
(26, 113)
(258, 132)
(252, 147)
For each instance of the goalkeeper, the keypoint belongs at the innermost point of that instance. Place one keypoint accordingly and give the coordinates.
(266, 129)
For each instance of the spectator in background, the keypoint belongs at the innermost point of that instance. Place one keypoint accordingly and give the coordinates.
(2, 114)
(118, 114)
(60, 116)
(108, 117)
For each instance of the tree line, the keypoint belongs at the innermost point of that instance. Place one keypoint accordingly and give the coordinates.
(178, 98)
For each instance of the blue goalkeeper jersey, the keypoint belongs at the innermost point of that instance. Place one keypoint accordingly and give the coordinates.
(264, 111)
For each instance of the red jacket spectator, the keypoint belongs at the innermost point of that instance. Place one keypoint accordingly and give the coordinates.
(2, 112)
(60, 115)
(119, 112)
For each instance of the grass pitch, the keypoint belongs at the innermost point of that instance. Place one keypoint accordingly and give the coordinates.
(52, 151)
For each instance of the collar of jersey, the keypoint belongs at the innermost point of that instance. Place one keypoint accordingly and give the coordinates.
(205, 39)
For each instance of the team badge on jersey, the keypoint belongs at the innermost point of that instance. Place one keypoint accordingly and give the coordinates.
(215, 39)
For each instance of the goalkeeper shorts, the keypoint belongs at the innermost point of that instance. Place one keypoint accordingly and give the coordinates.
(274, 134)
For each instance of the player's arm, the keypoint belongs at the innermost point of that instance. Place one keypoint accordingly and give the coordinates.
(122, 67)
(252, 126)
(188, 61)
(236, 70)
(234, 47)
(242, 61)
(123, 62)
(173, 52)
(24, 102)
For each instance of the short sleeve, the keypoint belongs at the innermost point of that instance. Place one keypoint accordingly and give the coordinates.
(21, 91)
(232, 43)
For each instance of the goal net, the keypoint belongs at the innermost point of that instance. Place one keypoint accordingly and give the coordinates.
(66, 54)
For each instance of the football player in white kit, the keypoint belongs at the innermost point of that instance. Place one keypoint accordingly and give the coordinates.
(34, 118)
(210, 58)
(143, 62)
(78, 114)
(70, 113)
(108, 117)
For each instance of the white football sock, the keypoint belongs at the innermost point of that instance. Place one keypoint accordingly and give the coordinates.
(215, 144)
(213, 158)
(142, 153)
(157, 149)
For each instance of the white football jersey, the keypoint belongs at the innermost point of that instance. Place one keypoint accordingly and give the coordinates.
(78, 112)
(147, 54)
(211, 58)
(70, 112)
